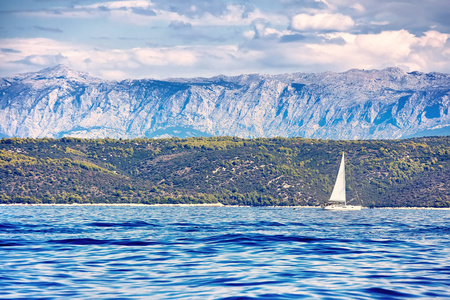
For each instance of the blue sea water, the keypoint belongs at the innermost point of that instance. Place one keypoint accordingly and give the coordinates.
(80, 252)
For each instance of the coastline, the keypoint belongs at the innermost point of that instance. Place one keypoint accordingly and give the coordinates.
(218, 204)
(113, 204)
(426, 208)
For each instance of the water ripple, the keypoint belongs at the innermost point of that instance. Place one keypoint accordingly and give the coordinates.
(222, 253)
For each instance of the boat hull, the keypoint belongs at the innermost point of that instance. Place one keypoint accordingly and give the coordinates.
(342, 207)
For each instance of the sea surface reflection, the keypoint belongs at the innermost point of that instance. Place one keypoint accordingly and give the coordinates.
(222, 253)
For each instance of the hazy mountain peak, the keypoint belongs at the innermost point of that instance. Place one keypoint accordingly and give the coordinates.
(60, 72)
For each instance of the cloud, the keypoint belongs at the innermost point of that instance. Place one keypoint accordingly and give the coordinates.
(35, 54)
(390, 44)
(192, 9)
(177, 56)
(9, 50)
(340, 51)
(137, 8)
(426, 53)
(288, 38)
(433, 39)
(321, 21)
(235, 15)
(415, 16)
(306, 38)
(265, 50)
(48, 29)
(143, 11)
(119, 5)
(358, 7)
(261, 29)
(41, 60)
(180, 25)
(249, 34)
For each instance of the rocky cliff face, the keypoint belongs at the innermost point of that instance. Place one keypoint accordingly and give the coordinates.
(356, 104)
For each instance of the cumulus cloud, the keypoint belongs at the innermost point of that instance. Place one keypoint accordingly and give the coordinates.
(134, 12)
(392, 44)
(35, 54)
(236, 15)
(192, 9)
(114, 5)
(143, 13)
(425, 53)
(249, 34)
(428, 52)
(180, 25)
(433, 39)
(261, 30)
(200, 38)
(321, 21)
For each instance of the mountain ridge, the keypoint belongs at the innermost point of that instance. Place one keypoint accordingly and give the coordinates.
(356, 104)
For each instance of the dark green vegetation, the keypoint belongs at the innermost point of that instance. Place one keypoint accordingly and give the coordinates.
(276, 171)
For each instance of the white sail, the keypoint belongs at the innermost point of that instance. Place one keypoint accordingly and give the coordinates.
(338, 194)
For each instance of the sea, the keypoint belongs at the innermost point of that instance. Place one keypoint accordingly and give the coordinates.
(152, 252)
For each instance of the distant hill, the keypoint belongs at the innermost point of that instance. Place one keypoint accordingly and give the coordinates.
(357, 104)
(275, 171)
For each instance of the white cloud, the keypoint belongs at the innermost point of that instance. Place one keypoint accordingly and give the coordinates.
(120, 4)
(321, 21)
(426, 53)
(379, 23)
(164, 56)
(433, 39)
(271, 32)
(145, 13)
(112, 74)
(390, 44)
(334, 5)
(234, 15)
(201, 60)
(249, 34)
(140, 12)
(262, 30)
(429, 52)
(358, 7)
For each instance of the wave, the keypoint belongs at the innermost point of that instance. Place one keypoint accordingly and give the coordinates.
(257, 239)
(90, 241)
(388, 293)
(123, 224)
(172, 253)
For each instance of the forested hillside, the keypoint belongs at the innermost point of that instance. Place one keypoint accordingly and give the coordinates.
(275, 171)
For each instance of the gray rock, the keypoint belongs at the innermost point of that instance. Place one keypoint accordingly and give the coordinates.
(357, 104)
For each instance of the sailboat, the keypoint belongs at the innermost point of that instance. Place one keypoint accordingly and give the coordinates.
(338, 199)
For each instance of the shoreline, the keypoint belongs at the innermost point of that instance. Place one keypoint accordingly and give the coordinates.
(426, 208)
(113, 204)
(199, 205)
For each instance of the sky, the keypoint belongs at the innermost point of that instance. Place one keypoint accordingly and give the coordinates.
(191, 38)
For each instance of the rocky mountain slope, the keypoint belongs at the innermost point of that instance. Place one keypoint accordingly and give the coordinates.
(357, 104)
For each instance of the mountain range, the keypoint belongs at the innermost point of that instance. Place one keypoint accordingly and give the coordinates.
(357, 104)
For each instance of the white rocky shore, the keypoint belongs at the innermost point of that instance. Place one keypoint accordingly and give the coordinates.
(218, 204)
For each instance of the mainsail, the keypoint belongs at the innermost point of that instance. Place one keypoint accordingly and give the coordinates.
(338, 194)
